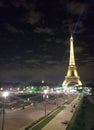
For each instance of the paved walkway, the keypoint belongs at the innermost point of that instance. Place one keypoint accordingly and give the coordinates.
(65, 115)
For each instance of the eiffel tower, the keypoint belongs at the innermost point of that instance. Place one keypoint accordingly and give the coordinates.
(72, 75)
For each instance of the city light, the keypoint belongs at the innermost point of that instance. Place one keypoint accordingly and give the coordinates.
(5, 94)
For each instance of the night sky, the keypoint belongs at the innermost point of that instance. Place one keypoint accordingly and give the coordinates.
(34, 39)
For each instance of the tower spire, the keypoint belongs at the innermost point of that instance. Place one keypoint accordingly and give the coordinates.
(71, 59)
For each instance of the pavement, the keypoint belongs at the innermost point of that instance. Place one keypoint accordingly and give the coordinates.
(59, 122)
(17, 119)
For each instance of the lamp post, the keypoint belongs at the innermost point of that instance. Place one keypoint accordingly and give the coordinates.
(57, 93)
(5, 94)
(45, 96)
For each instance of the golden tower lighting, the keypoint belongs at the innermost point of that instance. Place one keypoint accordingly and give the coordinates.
(72, 75)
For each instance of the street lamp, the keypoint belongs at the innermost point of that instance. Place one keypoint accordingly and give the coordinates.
(4, 95)
(45, 96)
(57, 93)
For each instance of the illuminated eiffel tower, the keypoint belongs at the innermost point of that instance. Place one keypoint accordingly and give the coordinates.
(72, 75)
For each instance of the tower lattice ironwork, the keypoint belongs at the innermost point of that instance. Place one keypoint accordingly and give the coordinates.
(72, 75)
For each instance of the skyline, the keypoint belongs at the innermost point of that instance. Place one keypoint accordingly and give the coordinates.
(35, 35)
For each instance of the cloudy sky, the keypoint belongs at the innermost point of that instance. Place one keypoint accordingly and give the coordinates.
(34, 39)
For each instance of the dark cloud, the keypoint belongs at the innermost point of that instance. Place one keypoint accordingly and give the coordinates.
(20, 3)
(32, 17)
(1, 4)
(43, 30)
(75, 7)
(78, 49)
(11, 28)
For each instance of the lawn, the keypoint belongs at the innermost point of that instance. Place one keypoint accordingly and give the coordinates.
(89, 114)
